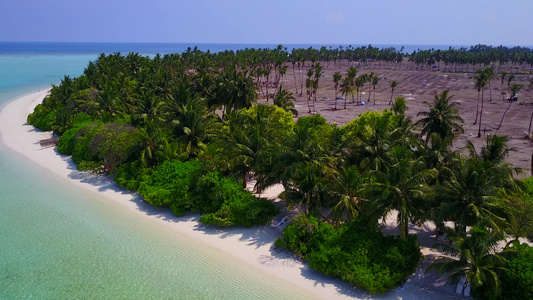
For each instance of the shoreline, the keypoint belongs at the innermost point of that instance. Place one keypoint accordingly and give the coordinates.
(251, 246)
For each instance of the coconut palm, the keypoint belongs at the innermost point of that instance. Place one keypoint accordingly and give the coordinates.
(284, 99)
(346, 88)
(350, 188)
(336, 79)
(489, 73)
(470, 197)
(369, 77)
(402, 186)
(399, 107)
(474, 258)
(515, 88)
(442, 118)
(393, 85)
(375, 81)
(480, 80)
(503, 74)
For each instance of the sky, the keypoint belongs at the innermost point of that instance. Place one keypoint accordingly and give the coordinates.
(407, 22)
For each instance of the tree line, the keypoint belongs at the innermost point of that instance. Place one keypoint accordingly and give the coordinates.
(185, 131)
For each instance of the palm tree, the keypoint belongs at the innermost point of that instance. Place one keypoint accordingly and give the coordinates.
(474, 258)
(375, 81)
(515, 88)
(284, 99)
(369, 77)
(481, 80)
(470, 196)
(346, 88)
(399, 107)
(393, 85)
(489, 73)
(350, 188)
(503, 74)
(442, 118)
(401, 186)
(336, 79)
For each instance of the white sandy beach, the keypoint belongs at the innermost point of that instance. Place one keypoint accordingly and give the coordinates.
(252, 246)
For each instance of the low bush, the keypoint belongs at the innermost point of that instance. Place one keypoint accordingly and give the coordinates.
(42, 117)
(353, 252)
(517, 281)
(188, 186)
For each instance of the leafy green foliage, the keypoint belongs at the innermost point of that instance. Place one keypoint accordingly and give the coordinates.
(169, 185)
(110, 144)
(129, 175)
(517, 282)
(42, 117)
(354, 252)
(188, 186)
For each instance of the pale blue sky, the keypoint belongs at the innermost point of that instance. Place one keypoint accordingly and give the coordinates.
(440, 22)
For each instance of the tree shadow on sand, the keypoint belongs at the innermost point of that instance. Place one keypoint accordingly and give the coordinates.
(419, 286)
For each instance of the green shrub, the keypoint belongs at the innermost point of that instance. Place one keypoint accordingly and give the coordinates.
(129, 175)
(517, 282)
(168, 186)
(528, 183)
(42, 117)
(66, 141)
(110, 144)
(353, 252)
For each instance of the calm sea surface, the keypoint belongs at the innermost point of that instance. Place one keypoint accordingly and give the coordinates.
(60, 242)
(19, 48)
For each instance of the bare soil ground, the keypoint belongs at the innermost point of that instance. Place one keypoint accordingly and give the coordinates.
(418, 86)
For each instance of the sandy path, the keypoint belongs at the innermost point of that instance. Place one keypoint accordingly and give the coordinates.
(252, 246)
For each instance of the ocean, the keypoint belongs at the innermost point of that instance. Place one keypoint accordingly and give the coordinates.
(60, 242)
(21, 48)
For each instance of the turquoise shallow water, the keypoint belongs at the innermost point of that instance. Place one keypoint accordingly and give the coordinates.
(60, 242)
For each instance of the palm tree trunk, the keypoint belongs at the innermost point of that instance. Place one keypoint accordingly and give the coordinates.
(477, 108)
(490, 92)
(501, 121)
(530, 120)
(480, 115)
(295, 83)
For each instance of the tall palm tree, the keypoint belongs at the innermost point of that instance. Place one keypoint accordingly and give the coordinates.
(401, 186)
(470, 196)
(503, 74)
(478, 83)
(346, 88)
(442, 118)
(350, 188)
(489, 73)
(474, 258)
(336, 79)
(515, 88)
(393, 85)
(481, 81)
(370, 76)
(375, 81)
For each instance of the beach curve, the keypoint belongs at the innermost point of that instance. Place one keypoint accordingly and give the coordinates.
(252, 246)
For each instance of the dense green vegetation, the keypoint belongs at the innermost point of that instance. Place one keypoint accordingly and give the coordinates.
(353, 252)
(184, 130)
